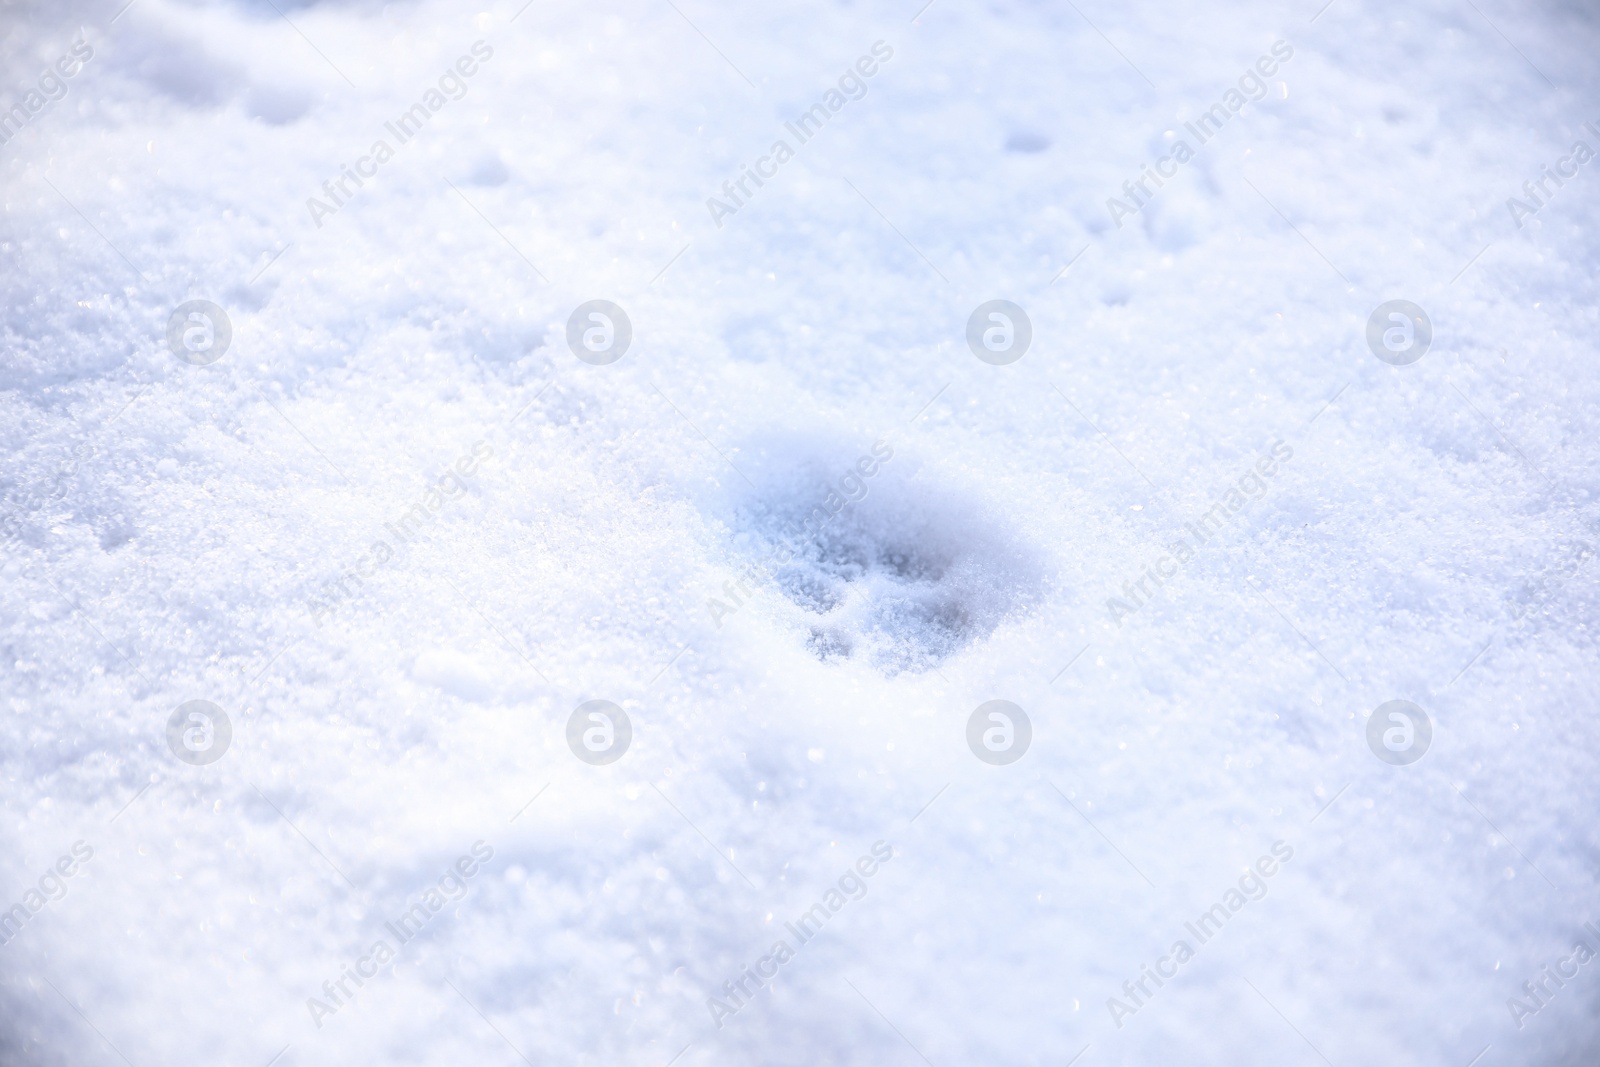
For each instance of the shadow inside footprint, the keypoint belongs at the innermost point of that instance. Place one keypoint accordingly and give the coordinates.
(894, 569)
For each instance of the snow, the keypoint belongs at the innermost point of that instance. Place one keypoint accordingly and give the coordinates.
(183, 526)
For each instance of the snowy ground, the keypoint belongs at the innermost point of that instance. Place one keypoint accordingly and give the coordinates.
(180, 525)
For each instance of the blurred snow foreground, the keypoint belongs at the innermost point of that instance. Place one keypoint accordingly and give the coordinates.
(1084, 554)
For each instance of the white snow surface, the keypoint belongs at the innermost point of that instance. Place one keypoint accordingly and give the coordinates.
(170, 525)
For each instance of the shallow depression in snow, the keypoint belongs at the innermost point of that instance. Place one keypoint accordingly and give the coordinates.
(880, 562)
